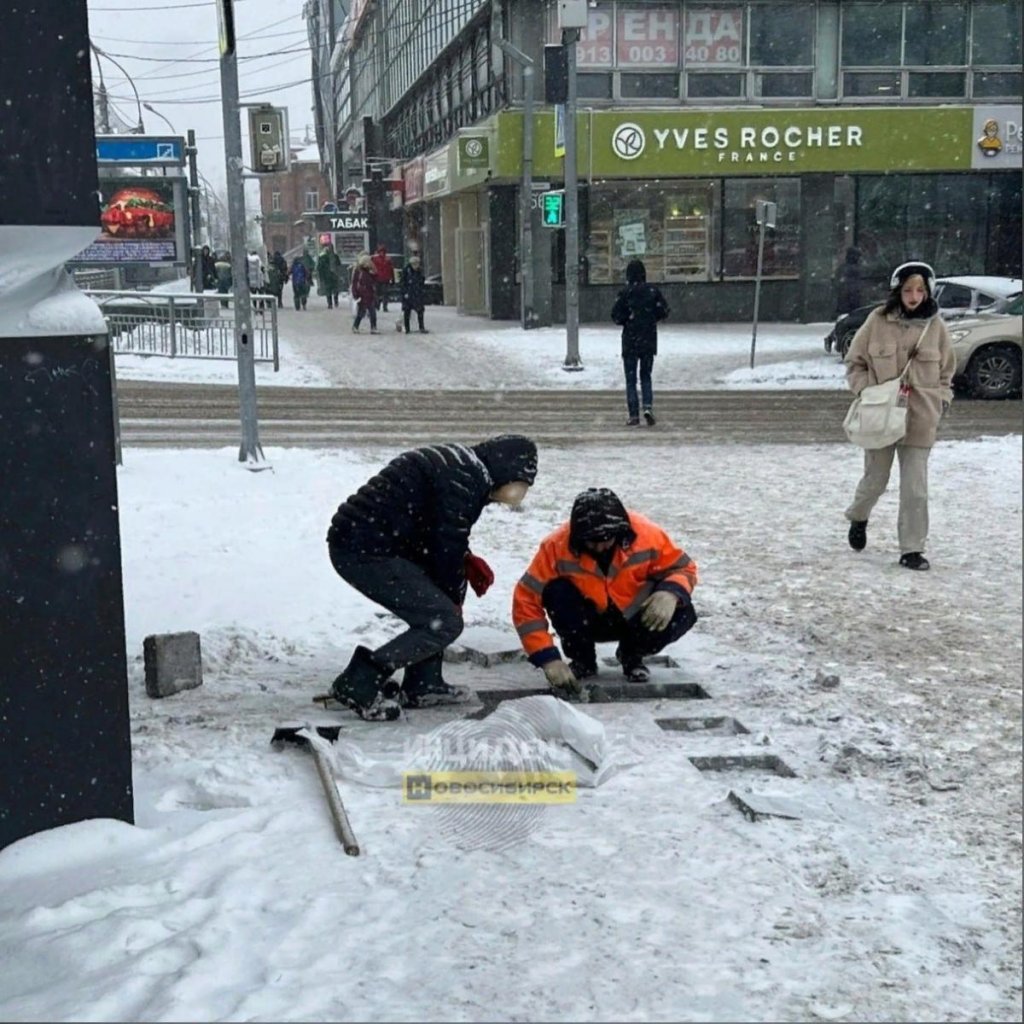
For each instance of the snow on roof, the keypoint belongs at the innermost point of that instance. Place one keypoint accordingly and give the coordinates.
(307, 155)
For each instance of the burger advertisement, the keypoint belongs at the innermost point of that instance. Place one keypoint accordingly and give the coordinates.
(139, 220)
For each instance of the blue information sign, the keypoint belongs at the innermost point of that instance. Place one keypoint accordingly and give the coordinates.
(140, 149)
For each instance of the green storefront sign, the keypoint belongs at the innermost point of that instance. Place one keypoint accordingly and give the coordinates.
(711, 143)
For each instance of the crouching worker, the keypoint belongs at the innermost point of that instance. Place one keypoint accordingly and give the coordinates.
(607, 574)
(402, 540)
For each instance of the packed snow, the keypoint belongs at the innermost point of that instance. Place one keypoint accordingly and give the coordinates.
(891, 892)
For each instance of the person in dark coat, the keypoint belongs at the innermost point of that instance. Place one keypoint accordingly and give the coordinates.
(300, 282)
(637, 310)
(413, 292)
(402, 540)
(222, 268)
(328, 274)
(363, 289)
(848, 281)
(208, 268)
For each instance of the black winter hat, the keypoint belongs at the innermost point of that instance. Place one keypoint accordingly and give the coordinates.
(636, 272)
(597, 515)
(508, 457)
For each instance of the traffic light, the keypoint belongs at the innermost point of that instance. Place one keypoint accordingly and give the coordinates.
(552, 209)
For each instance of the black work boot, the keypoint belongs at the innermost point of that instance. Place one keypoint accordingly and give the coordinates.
(914, 560)
(423, 686)
(365, 688)
(858, 535)
(633, 667)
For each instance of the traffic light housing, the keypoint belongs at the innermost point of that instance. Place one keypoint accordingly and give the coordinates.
(552, 209)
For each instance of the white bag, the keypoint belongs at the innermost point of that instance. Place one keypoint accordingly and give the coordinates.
(354, 302)
(877, 418)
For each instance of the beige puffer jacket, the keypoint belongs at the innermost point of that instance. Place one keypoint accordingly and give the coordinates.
(880, 350)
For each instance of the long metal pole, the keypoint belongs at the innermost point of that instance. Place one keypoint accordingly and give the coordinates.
(195, 215)
(249, 451)
(572, 216)
(757, 292)
(526, 201)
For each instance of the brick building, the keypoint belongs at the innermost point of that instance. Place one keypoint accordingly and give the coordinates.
(284, 198)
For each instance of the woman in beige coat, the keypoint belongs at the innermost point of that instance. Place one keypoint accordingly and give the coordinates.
(879, 352)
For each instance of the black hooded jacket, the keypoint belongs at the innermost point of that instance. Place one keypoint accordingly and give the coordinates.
(422, 505)
(638, 309)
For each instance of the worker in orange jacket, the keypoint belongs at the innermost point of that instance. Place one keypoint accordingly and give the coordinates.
(607, 574)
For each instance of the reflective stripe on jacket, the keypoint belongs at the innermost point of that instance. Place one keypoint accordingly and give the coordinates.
(652, 562)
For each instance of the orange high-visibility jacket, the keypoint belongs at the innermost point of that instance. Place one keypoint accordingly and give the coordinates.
(651, 562)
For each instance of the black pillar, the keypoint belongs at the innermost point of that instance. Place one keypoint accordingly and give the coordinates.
(65, 749)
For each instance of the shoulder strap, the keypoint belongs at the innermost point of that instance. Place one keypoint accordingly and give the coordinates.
(913, 351)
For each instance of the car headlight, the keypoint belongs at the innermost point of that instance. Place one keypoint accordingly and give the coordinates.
(956, 336)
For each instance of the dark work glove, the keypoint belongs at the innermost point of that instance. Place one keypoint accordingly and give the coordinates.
(478, 573)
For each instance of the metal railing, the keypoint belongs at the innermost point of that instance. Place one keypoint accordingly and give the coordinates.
(185, 325)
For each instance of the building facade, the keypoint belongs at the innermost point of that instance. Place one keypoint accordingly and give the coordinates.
(894, 127)
(288, 200)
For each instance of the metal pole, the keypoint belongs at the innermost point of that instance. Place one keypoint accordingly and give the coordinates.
(526, 200)
(757, 291)
(526, 289)
(249, 450)
(572, 218)
(196, 216)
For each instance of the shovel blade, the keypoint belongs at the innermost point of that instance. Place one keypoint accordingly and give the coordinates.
(290, 734)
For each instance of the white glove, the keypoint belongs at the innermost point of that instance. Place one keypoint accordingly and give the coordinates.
(560, 676)
(658, 610)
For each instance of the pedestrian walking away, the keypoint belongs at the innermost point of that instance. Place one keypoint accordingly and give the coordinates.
(848, 282)
(225, 278)
(384, 270)
(402, 540)
(300, 282)
(413, 293)
(608, 574)
(328, 274)
(364, 292)
(905, 334)
(637, 310)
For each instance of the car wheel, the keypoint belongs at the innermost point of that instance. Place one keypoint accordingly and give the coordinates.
(995, 372)
(843, 345)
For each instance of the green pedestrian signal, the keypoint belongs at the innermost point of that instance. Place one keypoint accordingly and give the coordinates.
(552, 209)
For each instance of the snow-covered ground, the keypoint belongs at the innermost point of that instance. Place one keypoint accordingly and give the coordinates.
(895, 894)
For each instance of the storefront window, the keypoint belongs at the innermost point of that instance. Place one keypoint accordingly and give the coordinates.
(871, 34)
(667, 225)
(936, 34)
(714, 87)
(781, 35)
(741, 233)
(783, 84)
(871, 83)
(649, 86)
(997, 83)
(940, 218)
(995, 35)
(936, 83)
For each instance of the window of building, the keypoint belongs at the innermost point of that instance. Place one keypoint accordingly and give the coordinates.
(938, 84)
(781, 35)
(714, 86)
(786, 83)
(312, 199)
(935, 34)
(670, 228)
(995, 32)
(594, 87)
(989, 84)
(275, 202)
(652, 86)
(741, 234)
(872, 34)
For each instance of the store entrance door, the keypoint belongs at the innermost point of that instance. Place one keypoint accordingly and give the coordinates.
(472, 276)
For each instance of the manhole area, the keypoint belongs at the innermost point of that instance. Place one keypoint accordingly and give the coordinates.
(719, 725)
(743, 763)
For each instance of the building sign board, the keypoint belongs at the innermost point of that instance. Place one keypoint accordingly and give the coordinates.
(435, 174)
(594, 49)
(647, 36)
(326, 222)
(713, 38)
(142, 220)
(474, 153)
(140, 149)
(713, 143)
(412, 175)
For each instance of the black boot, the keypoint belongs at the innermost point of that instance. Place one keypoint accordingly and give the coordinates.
(423, 686)
(914, 560)
(633, 667)
(858, 535)
(365, 688)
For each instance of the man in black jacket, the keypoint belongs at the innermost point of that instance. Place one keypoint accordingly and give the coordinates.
(402, 540)
(638, 309)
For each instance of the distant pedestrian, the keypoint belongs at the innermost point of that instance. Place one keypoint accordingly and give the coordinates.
(848, 282)
(637, 310)
(364, 292)
(413, 292)
(222, 267)
(300, 282)
(275, 282)
(208, 268)
(328, 274)
(385, 271)
(257, 279)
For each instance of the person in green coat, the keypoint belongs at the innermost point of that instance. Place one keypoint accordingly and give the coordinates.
(328, 274)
